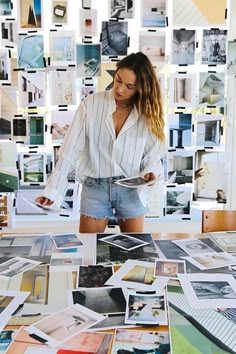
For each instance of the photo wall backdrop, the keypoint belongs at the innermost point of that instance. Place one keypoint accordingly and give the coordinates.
(55, 53)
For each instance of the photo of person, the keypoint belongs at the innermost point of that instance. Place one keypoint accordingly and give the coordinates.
(214, 46)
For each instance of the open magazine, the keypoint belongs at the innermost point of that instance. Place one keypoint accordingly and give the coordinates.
(134, 182)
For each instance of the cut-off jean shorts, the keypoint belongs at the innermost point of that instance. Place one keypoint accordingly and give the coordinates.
(102, 198)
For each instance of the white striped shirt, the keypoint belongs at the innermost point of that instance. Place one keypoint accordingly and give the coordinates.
(92, 148)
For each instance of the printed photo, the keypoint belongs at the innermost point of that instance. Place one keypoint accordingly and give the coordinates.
(60, 12)
(212, 260)
(180, 166)
(209, 130)
(30, 51)
(211, 89)
(178, 201)
(65, 262)
(16, 266)
(88, 60)
(5, 7)
(9, 181)
(180, 130)
(88, 22)
(123, 241)
(182, 90)
(193, 246)
(8, 108)
(33, 168)
(6, 204)
(5, 66)
(214, 46)
(94, 276)
(121, 9)
(62, 48)
(183, 47)
(62, 241)
(114, 38)
(60, 122)
(62, 87)
(32, 86)
(8, 33)
(30, 13)
(153, 45)
(169, 268)
(6, 338)
(153, 13)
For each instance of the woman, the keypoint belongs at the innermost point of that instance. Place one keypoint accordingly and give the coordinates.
(115, 134)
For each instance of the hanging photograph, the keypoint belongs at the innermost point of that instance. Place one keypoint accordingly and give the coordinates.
(62, 88)
(32, 86)
(114, 38)
(33, 168)
(180, 130)
(88, 60)
(153, 45)
(88, 22)
(9, 32)
(210, 184)
(183, 47)
(121, 8)
(8, 108)
(62, 47)
(8, 171)
(5, 7)
(5, 66)
(31, 51)
(153, 13)
(231, 58)
(211, 89)
(182, 90)
(19, 129)
(6, 204)
(30, 14)
(59, 12)
(178, 201)
(180, 166)
(214, 46)
(60, 122)
(105, 81)
(200, 13)
(208, 130)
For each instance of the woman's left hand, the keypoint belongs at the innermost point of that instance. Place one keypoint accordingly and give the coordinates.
(150, 177)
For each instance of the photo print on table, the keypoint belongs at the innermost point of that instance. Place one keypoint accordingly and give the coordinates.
(121, 9)
(15, 266)
(65, 261)
(114, 38)
(153, 13)
(153, 45)
(143, 309)
(214, 46)
(33, 168)
(8, 33)
(211, 89)
(193, 246)
(123, 241)
(211, 260)
(183, 47)
(32, 87)
(5, 65)
(62, 48)
(30, 51)
(65, 241)
(59, 13)
(209, 129)
(180, 130)
(88, 60)
(182, 90)
(169, 268)
(180, 166)
(88, 22)
(178, 201)
(62, 86)
(30, 14)
(93, 276)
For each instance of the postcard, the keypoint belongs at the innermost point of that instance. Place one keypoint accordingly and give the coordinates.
(93, 276)
(65, 262)
(193, 246)
(209, 290)
(61, 326)
(169, 268)
(146, 309)
(133, 182)
(16, 266)
(63, 241)
(137, 275)
(123, 241)
(211, 260)
(140, 340)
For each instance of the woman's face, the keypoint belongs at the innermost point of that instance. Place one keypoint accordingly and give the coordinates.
(124, 85)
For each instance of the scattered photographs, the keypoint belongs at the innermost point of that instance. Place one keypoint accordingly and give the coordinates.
(8, 33)
(208, 130)
(32, 89)
(65, 262)
(62, 87)
(123, 241)
(60, 12)
(61, 326)
(30, 14)
(183, 47)
(15, 266)
(121, 9)
(60, 122)
(5, 66)
(33, 168)
(143, 309)
(5, 7)
(180, 130)
(8, 173)
(88, 59)
(153, 13)
(182, 90)
(114, 38)
(64, 241)
(88, 22)
(62, 48)
(94, 276)
(211, 89)
(212, 260)
(153, 45)
(214, 46)
(178, 201)
(209, 290)
(169, 268)
(180, 166)
(31, 51)
(193, 246)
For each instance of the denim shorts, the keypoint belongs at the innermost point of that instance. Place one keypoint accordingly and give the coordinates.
(103, 198)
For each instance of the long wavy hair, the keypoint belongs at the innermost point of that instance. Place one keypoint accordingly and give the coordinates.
(148, 99)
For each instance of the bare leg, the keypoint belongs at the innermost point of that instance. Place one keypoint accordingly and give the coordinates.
(132, 225)
(90, 225)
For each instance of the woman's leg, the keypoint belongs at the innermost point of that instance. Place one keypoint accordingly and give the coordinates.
(132, 224)
(89, 225)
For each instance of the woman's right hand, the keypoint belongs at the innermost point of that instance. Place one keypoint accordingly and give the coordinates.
(43, 201)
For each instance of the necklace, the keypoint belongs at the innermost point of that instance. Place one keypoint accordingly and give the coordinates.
(123, 106)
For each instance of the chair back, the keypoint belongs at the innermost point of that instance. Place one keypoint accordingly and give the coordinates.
(218, 220)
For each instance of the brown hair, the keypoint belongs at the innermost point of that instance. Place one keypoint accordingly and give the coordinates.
(148, 99)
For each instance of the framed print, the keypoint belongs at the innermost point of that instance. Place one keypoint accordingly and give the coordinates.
(121, 9)
(199, 13)
(33, 168)
(183, 47)
(9, 33)
(62, 47)
(178, 201)
(62, 87)
(88, 22)
(114, 38)
(208, 130)
(60, 122)
(214, 46)
(180, 130)
(180, 166)
(88, 59)
(31, 51)
(211, 89)
(5, 7)
(8, 171)
(59, 12)
(153, 13)
(30, 14)
(152, 44)
(182, 90)
(5, 66)
(32, 86)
